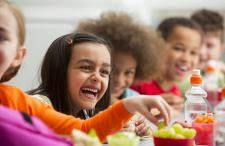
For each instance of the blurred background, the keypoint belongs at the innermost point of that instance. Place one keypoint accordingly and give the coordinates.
(48, 19)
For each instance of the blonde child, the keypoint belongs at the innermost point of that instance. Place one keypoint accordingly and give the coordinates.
(182, 57)
(14, 98)
(135, 53)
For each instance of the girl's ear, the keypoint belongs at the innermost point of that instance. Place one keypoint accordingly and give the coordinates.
(22, 51)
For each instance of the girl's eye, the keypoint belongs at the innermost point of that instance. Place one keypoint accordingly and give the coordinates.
(2, 38)
(194, 52)
(129, 73)
(105, 72)
(178, 48)
(210, 46)
(85, 68)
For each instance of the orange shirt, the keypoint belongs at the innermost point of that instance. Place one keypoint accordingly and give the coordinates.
(106, 122)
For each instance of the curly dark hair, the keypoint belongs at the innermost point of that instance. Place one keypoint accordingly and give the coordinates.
(129, 36)
(210, 22)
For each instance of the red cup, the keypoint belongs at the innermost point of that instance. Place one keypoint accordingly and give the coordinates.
(213, 97)
(173, 142)
(205, 133)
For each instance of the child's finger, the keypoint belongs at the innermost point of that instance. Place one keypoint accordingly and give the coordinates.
(140, 120)
(142, 132)
(140, 127)
(168, 109)
(149, 115)
(159, 116)
(163, 108)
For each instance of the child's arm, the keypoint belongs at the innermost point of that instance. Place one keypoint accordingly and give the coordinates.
(112, 119)
(106, 122)
(144, 104)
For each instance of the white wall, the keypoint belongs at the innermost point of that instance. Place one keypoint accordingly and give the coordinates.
(48, 19)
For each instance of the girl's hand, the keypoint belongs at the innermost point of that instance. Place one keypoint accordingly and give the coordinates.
(144, 104)
(141, 126)
(129, 126)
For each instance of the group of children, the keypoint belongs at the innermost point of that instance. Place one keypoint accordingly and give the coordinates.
(103, 62)
(89, 65)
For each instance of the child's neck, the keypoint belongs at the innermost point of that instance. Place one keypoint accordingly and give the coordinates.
(166, 85)
(76, 109)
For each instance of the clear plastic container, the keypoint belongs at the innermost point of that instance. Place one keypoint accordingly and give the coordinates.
(195, 103)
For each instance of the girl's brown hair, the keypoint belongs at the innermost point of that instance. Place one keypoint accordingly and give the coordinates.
(54, 72)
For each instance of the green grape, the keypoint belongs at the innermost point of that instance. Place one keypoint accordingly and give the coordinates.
(178, 136)
(189, 133)
(176, 131)
(163, 133)
(178, 128)
(161, 125)
(171, 131)
(166, 132)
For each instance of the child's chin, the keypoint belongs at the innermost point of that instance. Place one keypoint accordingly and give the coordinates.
(179, 78)
(89, 106)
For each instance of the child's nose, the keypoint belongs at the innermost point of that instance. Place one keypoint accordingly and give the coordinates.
(120, 79)
(95, 77)
(186, 57)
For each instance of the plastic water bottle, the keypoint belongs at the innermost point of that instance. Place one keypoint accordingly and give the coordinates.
(220, 121)
(195, 104)
(211, 83)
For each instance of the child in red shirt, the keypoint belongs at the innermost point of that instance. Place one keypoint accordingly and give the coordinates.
(183, 40)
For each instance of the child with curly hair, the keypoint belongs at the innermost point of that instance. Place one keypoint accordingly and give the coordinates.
(135, 51)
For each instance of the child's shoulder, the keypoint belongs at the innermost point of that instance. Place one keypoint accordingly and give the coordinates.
(130, 92)
(10, 93)
(8, 89)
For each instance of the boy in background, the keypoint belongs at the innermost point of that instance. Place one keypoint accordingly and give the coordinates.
(212, 47)
(211, 23)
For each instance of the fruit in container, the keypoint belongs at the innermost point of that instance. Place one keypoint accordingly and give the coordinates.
(208, 118)
(176, 131)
